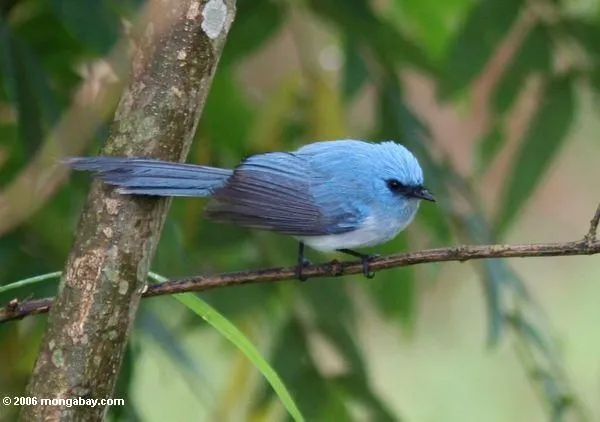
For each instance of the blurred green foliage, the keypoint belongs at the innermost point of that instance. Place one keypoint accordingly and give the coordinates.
(342, 72)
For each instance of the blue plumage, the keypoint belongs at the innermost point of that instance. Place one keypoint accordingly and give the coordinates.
(332, 195)
(141, 176)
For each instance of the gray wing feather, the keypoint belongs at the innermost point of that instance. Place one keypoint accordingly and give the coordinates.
(273, 192)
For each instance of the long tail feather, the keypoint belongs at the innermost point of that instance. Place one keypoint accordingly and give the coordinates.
(140, 176)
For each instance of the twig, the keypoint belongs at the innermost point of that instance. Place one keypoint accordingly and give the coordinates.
(589, 245)
(592, 234)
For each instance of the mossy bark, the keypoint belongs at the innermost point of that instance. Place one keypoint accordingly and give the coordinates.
(173, 64)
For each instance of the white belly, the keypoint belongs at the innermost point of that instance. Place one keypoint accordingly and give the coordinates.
(371, 233)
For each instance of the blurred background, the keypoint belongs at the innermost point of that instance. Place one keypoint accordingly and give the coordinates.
(497, 98)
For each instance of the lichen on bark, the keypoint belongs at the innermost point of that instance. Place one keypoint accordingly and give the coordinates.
(173, 63)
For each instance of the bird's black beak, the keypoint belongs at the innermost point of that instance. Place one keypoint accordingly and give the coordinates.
(423, 193)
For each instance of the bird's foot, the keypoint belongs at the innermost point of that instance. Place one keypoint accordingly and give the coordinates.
(301, 264)
(366, 259)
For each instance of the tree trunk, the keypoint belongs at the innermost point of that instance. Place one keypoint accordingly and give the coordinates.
(105, 275)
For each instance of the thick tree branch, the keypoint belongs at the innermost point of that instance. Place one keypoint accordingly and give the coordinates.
(173, 64)
(589, 245)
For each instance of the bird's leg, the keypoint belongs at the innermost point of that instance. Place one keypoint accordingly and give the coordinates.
(302, 262)
(365, 260)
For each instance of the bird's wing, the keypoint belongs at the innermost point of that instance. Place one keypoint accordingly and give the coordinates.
(274, 192)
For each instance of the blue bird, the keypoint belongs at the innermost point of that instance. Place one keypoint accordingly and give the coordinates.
(330, 195)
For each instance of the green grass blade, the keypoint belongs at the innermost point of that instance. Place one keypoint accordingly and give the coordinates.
(231, 332)
(218, 321)
(30, 280)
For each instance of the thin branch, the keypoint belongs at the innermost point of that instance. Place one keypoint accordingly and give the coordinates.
(589, 245)
(592, 234)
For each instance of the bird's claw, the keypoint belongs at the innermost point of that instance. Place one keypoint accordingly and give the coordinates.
(304, 263)
(365, 259)
(366, 268)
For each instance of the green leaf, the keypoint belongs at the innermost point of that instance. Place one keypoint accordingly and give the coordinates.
(355, 71)
(324, 110)
(40, 86)
(395, 295)
(498, 278)
(494, 282)
(92, 22)
(149, 323)
(587, 33)
(495, 275)
(356, 19)
(27, 87)
(486, 26)
(126, 375)
(274, 116)
(532, 334)
(218, 321)
(535, 54)
(256, 21)
(431, 21)
(54, 47)
(488, 148)
(230, 331)
(291, 357)
(542, 141)
(334, 318)
(19, 89)
(227, 114)
(362, 393)
(595, 81)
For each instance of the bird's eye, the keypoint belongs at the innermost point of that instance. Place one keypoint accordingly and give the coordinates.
(395, 185)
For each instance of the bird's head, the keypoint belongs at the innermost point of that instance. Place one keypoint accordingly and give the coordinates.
(400, 172)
